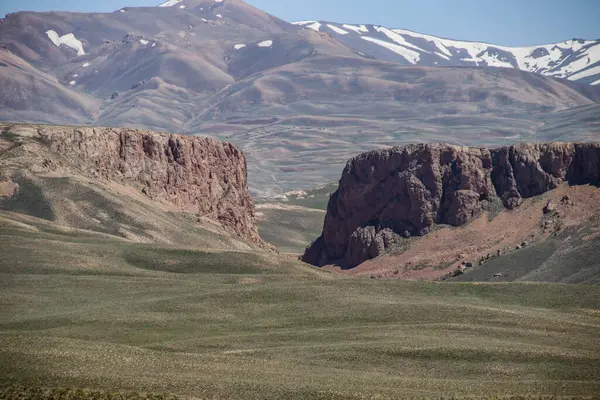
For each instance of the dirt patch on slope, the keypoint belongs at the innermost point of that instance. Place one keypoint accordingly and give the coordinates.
(8, 188)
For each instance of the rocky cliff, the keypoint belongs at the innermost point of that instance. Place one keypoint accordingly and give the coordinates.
(385, 195)
(199, 175)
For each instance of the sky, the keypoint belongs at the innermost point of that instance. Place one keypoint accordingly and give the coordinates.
(502, 22)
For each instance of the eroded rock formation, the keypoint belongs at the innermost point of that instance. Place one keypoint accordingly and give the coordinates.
(384, 195)
(199, 175)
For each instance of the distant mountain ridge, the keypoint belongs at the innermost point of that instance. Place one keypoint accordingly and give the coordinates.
(576, 59)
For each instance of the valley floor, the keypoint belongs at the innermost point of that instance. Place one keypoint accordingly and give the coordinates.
(93, 312)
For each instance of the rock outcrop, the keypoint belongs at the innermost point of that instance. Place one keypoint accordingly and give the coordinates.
(198, 175)
(384, 195)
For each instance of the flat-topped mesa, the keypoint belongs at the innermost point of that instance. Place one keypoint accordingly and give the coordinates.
(199, 175)
(384, 195)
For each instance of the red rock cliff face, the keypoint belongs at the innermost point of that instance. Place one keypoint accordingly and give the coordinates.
(200, 175)
(384, 195)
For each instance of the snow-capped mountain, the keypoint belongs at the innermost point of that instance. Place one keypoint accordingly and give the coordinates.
(576, 60)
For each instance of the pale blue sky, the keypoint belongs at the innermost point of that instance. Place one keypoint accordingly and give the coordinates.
(504, 22)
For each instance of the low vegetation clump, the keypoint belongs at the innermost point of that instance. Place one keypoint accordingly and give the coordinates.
(6, 134)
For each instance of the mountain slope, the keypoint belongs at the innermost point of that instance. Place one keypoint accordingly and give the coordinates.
(39, 97)
(576, 59)
(300, 122)
(160, 67)
(153, 66)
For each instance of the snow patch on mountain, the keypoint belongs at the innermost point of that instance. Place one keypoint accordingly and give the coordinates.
(410, 56)
(337, 30)
(170, 3)
(439, 44)
(358, 29)
(495, 60)
(316, 26)
(68, 40)
(586, 73)
(398, 38)
(266, 43)
(572, 67)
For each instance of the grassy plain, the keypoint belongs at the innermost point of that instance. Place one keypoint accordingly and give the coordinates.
(293, 222)
(92, 313)
(290, 228)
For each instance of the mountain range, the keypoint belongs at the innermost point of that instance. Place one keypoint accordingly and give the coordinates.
(575, 59)
(298, 98)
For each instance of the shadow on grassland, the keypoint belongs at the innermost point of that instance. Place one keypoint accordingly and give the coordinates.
(183, 261)
(29, 199)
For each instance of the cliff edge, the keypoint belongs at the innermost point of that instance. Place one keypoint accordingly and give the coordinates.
(198, 175)
(385, 195)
